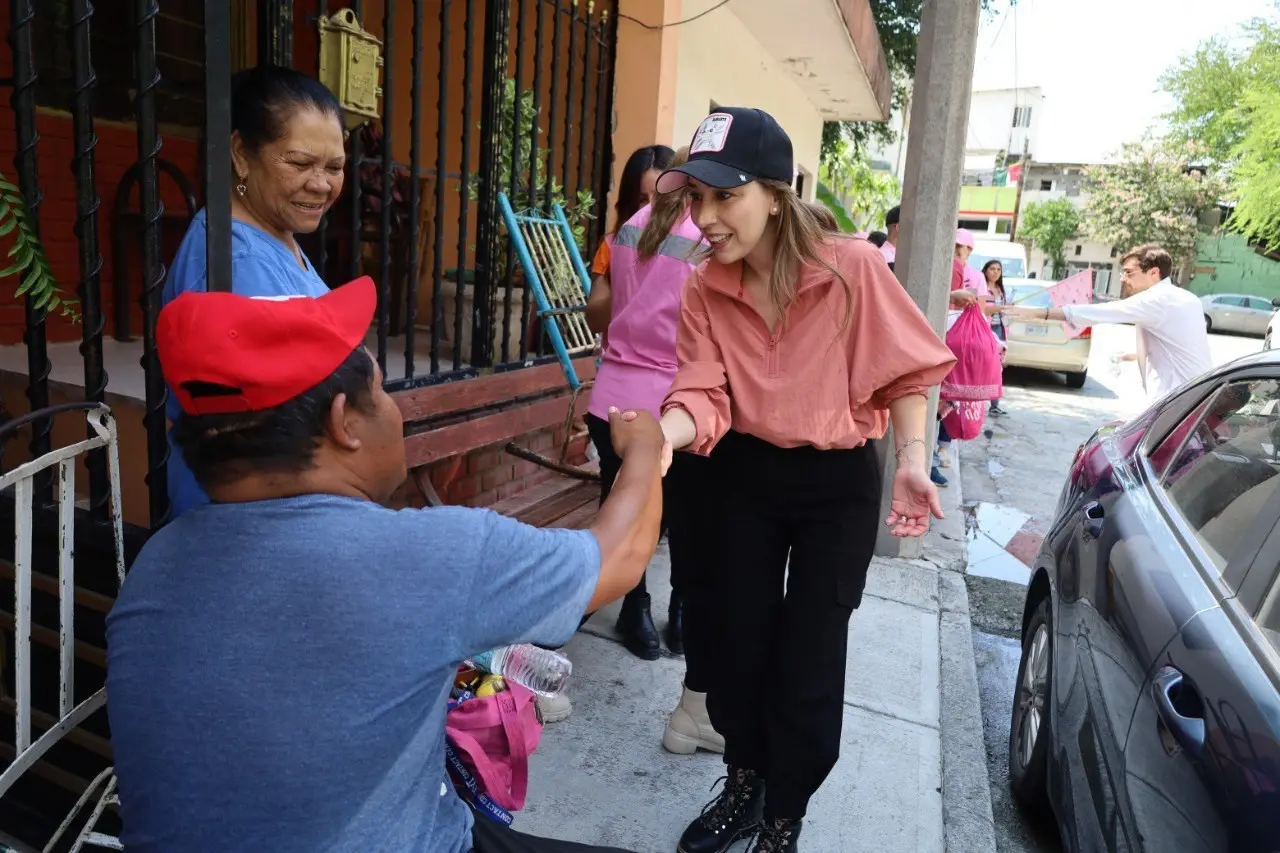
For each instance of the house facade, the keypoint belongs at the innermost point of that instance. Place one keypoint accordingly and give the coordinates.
(114, 162)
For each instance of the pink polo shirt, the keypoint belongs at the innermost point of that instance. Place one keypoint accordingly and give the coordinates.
(639, 359)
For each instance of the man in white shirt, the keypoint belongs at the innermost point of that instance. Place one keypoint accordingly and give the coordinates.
(1173, 346)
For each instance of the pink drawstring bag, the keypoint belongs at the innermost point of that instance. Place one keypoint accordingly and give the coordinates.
(977, 377)
(494, 736)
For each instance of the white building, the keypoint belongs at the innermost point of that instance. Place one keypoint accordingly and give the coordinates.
(1049, 181)
(1002, 123)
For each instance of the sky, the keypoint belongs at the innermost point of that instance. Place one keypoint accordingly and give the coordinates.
(1098, 62)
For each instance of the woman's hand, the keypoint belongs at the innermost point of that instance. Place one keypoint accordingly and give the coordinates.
(915, 498)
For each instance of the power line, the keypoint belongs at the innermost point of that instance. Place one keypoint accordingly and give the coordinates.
(673, 23)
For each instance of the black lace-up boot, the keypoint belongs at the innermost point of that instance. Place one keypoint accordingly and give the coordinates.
(735, 814)
(777, 836)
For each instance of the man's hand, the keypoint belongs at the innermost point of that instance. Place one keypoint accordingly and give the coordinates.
(963, 298)
(1128, 356)
(634, 430)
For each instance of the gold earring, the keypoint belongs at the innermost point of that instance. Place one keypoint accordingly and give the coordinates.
(241, 189)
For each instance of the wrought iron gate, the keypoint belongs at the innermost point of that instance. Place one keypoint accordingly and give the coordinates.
(528, 110)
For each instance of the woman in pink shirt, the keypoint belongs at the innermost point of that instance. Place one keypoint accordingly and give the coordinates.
(796, 348)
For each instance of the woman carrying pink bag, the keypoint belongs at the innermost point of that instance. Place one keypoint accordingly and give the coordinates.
(977, 377)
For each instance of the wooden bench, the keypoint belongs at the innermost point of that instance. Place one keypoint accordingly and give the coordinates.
(449, 420)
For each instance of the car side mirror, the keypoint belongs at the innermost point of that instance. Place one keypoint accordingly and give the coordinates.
(1275, 303)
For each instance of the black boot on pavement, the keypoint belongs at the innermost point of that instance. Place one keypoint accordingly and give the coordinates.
(635, 624)
(777, 836)
(675, 624)
(735, 814)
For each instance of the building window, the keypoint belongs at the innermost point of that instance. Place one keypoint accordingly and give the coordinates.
(1046, 186)
(975, 224)
(1114, 251)
(1004, 226)
(1022, 116)
(1079, 249)
(179, 58)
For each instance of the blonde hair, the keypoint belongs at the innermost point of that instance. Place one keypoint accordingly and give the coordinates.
(801, 230)
(824, 216)
(666, 210)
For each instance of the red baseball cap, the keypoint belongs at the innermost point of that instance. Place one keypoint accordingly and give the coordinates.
(263, 351)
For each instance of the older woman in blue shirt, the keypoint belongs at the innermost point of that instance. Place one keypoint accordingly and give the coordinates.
(287, 153)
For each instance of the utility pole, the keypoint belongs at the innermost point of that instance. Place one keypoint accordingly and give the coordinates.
(1022, 182)
(931, 187)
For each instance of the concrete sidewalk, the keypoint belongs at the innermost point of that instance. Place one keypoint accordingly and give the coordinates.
(912, 773)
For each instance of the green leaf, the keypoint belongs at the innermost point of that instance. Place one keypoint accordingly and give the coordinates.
(6, 226)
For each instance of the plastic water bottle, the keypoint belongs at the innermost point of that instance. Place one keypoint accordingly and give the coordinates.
(1115, 365)
(544, 672)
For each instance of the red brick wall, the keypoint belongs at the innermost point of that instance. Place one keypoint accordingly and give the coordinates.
(117, 150)
(490, 474)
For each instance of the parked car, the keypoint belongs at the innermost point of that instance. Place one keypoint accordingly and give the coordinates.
(1044, 344)
(1270, 335)
(1147, 708)
(1237, 312)
(1012, 256)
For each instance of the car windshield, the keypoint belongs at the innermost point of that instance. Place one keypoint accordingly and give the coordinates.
(1030, 295)
(1011, 267)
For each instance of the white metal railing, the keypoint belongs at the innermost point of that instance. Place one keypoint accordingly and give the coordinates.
(70, 715)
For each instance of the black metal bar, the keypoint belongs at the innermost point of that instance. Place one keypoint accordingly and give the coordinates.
(497, 25)
(275, 32)
(87, 204)
(534, 157)
(388, 180)
(464, 192)
(415, 190)
(217, 163)
(322, 233)
(516, 141)
(588, 77)
(24, 161)
(604, 138)
(555, 103)
(152, 266)
(442, 153)
(568, 96)
(354, 187)
(534, 151)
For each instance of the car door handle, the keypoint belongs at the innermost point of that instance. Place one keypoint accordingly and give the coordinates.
(1167, 687)
(1095, 517)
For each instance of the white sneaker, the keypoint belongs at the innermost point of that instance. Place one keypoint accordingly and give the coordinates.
(554, 709)
(689, 729)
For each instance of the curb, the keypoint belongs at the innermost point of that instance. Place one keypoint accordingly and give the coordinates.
(967, 819)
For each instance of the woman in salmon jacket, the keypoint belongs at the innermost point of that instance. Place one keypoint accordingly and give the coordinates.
(796, 347)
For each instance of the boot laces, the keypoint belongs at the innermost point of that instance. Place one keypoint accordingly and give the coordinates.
(775, 836)
(725, 809)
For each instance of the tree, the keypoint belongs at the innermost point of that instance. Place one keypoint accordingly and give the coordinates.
(860, 193)
(28, 256)
(1225, 102)
(1048, 226)
(1154, 194)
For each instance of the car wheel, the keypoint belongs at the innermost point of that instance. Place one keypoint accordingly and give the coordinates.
(1076, 380)
(1208, 323)
(1029, 728)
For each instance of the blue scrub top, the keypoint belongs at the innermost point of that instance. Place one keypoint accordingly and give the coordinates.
(260, 266)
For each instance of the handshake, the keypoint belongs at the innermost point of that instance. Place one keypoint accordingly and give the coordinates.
(638, 433)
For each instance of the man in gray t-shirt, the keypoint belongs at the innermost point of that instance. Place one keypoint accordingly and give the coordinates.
(279, 660)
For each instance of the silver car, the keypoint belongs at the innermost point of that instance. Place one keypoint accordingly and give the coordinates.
(1237, 312)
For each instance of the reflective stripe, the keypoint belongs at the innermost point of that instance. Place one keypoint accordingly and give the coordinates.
(672, 246)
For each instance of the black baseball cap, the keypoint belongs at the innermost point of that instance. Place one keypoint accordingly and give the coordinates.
(734, 146)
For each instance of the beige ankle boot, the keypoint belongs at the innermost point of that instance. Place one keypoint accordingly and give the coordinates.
(689, 728)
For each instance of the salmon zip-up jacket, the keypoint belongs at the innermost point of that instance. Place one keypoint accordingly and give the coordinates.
(813, 380)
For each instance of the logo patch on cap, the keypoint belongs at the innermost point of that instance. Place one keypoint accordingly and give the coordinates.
(712, 134)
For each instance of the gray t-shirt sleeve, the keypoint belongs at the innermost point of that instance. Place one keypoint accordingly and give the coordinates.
(528, 584)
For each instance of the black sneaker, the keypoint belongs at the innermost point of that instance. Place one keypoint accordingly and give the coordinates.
(735, 814)
(777, 836)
